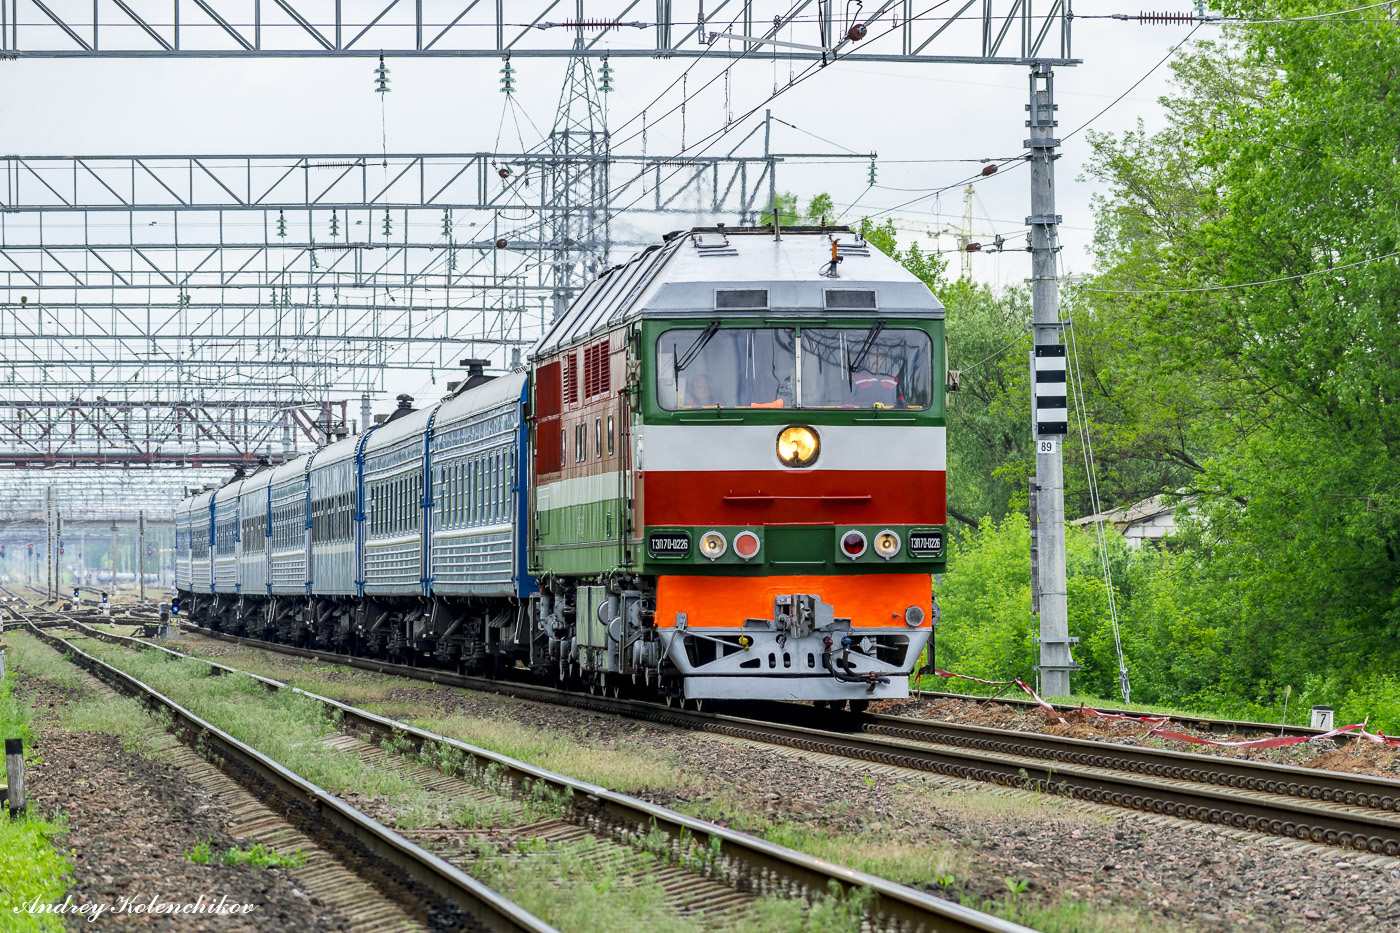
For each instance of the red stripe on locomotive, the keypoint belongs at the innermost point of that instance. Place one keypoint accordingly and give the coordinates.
(791, 497)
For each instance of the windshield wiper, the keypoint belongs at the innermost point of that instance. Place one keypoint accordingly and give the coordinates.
(866, 346)
(694, 349)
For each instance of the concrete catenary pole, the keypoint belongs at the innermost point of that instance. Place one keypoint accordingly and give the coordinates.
(52, 552)
(114, 557)
(141, 556)
(1049, 388)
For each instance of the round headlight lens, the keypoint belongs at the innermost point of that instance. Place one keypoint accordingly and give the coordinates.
(914, 616)
(853, 544)
(887, 544)
(746, 545)
(798, 446)
(712, 544)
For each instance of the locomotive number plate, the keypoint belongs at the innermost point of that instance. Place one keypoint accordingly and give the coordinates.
(668, 543)
(925, 542)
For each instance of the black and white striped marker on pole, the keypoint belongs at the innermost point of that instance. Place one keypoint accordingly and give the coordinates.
(1051, 390)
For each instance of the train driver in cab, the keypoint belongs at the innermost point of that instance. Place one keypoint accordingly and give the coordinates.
(873, 386)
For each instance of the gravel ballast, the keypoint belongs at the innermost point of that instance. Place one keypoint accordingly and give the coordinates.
(1127, 870)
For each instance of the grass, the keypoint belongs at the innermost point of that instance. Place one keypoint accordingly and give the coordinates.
(1070, 915)
(291, 728)
(578, 755)
(285, 726)
(880, 854)
(256, 855)
(568, 885)
(31, 869)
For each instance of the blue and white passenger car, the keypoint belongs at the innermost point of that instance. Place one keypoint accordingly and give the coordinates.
(404, 540)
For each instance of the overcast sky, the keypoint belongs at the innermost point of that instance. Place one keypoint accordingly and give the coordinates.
(906, 113)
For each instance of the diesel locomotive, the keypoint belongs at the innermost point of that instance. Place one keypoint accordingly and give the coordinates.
(720, 476)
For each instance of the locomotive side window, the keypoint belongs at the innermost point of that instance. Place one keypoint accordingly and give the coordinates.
(736, 367)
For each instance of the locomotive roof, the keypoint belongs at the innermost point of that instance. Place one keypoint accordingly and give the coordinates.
(680, 278)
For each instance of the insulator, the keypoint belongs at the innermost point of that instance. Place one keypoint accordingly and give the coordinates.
(989, 170)
(335, 225)
(381, 78)
(507, 78)
(501, 244)
(388, 225)
(1166, 19)
(447, 224)
(281, 224)
(856, 32)
(606, 75)
(503, 171)
(870, 177)
(973, 247)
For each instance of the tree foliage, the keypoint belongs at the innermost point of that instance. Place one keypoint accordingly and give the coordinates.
(1239, 348)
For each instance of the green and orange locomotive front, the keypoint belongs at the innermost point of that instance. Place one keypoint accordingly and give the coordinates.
(739, 470)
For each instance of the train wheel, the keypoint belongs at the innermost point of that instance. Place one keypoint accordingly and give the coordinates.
(859, 706)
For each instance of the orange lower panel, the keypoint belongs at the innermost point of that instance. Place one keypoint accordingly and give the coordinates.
(868, 600)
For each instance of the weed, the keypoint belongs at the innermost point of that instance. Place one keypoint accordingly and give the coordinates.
(201, 853)
(260, 856)
(256, 855)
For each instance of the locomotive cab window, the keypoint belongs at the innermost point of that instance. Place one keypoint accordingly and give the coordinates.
(737, 367)
(872, 367)
(861, 368)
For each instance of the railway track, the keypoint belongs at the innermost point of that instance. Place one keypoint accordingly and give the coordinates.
(439, 894)
(742, 861)
(1333, 808)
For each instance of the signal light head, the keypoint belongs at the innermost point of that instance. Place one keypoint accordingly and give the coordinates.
(853, 544)
(887, 544)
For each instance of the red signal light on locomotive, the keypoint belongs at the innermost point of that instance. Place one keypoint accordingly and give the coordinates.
(746, 545)
(853, 544)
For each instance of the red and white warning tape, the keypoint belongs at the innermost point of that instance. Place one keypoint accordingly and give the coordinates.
(1157, 730)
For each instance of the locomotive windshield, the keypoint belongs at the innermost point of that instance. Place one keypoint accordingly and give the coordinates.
(714, 367)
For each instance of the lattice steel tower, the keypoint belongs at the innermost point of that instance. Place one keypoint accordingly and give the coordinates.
(578, 182)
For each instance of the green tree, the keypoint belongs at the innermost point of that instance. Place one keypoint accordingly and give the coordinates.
(1272, 405)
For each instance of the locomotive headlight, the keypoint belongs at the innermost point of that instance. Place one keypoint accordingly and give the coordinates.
(914, 616)
(712, 544)
(798, 446)
(887, 544)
